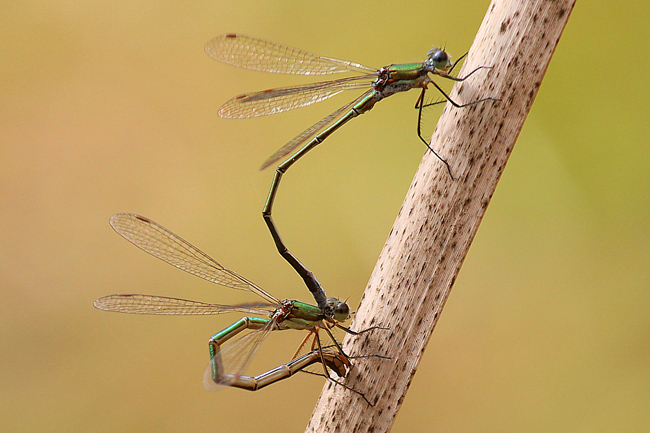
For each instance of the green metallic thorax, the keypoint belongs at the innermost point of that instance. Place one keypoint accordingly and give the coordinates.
(404, 77)
(406, 71)
(302, 316)
(392, 79)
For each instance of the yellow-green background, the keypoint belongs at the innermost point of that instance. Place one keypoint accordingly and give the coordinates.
(110, 107)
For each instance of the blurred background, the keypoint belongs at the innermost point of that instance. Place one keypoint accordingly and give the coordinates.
(112, 107)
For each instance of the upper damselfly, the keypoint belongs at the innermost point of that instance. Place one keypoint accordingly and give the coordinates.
(261, 55)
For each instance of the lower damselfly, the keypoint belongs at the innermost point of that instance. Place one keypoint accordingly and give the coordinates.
(228, 363)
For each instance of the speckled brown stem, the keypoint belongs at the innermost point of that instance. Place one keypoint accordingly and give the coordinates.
(440, 216)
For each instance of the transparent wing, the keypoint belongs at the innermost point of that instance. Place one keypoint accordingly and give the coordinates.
(260, 55)
(308, 133)
(233, 358)
(168, 247)
(147, 304)
(288, 98)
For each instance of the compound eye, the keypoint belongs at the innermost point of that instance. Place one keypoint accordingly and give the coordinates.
(439, 59)
(341, 309)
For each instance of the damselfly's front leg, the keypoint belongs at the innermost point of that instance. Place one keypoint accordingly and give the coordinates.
(420, 104)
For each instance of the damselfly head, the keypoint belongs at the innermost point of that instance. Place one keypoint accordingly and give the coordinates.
(438, 59)
(341, 311)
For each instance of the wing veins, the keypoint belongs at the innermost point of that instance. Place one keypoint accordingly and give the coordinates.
(170, 248)
(161, 305)
(266, 56)
(308, 133)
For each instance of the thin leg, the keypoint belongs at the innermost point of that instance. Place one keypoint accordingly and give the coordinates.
(336, 343)
(363, 331)
(374, 355)
(327, 373)
(295, 355)
(419, 104)
(349, 331)
(447, 98)
(457, 105)
(446, 74)
(450, 77)
(457, 62)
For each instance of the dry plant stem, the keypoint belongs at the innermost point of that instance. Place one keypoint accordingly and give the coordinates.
(440, 216)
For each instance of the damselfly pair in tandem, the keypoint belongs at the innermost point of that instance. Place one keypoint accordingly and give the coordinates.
(227, 364)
